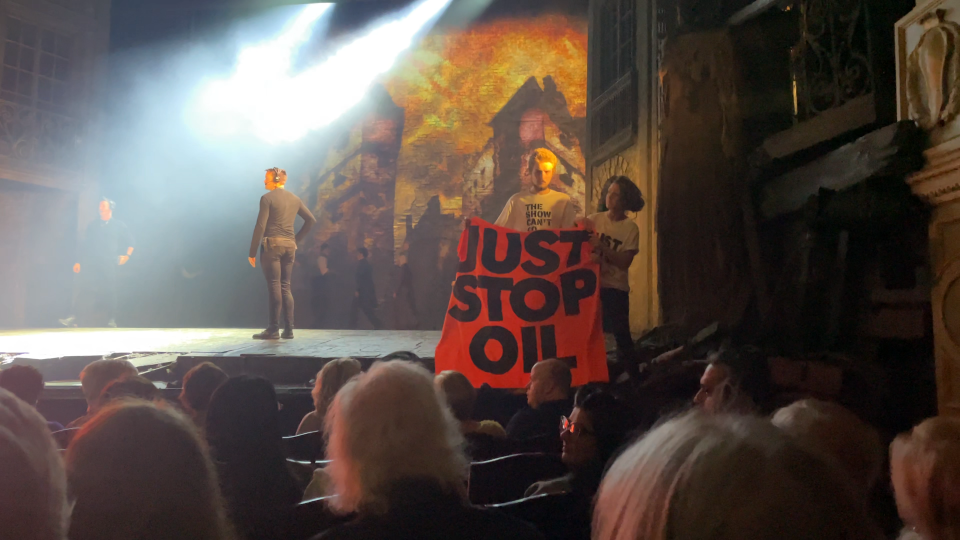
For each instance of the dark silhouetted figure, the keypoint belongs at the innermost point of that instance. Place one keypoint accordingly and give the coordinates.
(366, 297)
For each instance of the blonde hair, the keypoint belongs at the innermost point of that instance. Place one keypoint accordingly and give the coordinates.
(98, 374)
(33, 496)
(838, 433)
(279, 175)
(725, 477)
(542, 155)
(387, 425)
(330, 379)
(458, 391)
(139, 470)
(925, 469)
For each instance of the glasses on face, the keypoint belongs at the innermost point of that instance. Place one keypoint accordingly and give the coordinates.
(575, 428)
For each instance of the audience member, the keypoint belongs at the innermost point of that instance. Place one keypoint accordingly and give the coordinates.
(925, 469)
(726, 478)
(33, 487)
(597, 427)
(26, 383)
(244, 435)
(136, 387)
(548, 399)
(836, 432)
(95, 377)
(332, 376)
(461, 397)
(139, 470)
(735, 381)
(397, 461)
(199, 384)
(591, 436)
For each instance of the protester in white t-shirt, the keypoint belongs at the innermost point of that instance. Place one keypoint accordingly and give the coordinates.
(616, 240)
(539, 207)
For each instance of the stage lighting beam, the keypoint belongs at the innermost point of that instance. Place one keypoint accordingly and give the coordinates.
(263, 97)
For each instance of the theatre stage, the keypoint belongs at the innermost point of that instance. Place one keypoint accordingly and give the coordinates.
(165, 353)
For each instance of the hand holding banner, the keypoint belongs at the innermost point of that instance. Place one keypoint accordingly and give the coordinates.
(552, 307)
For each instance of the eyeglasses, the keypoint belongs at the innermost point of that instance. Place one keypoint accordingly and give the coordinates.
(575, 428)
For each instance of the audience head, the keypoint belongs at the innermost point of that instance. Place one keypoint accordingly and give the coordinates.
(243, 421)
(330, 379)
(25, 382)
(925, 469)
(33, 497)
(199, 385)
(734, 381)
(622, 194)
(836, 432)
(402, 355)
(386, 426)
(129, 387)
(726, 478)
(139, 470)
(550, 380)
(459, 393)
(597, 427)
(98, 374)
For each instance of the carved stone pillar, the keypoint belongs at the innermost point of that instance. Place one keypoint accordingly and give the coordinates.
(928, 80)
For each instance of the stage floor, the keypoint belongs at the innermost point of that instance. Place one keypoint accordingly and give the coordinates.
(217, 342)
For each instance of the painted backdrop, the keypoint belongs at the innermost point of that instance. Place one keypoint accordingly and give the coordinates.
(445, 136)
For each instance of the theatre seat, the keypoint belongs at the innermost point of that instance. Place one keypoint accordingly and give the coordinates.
(64, 436)
(312, 517)
(554, 515)
(307, 446)
(507, 478)
(483, 447)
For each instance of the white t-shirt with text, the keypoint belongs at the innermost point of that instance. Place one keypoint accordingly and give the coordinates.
(620, 236)
(527, 211)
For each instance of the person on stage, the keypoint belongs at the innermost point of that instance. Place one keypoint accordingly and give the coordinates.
(366, 295)
(107, 245)
(274, 236)
(616, 240)
(539, 207)
(321, 287)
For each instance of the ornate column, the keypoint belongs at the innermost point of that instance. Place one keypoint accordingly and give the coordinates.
(928, 83)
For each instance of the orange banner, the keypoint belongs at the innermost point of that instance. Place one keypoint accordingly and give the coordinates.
(521, 297)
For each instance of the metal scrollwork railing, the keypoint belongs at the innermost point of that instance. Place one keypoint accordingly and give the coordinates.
(38, 137)
(832, 63)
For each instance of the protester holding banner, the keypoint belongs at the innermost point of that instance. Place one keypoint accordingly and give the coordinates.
(616, 241)
(539, 207)
(520, 298)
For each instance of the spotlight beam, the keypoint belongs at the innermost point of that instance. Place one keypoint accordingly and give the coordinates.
(262, 96)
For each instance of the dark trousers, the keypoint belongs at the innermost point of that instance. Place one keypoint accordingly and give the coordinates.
(277, 264)
(616, 320)
(100, 283)
(319, 301)
(369, 309)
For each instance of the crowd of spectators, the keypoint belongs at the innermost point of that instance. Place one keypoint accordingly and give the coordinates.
(399, 461)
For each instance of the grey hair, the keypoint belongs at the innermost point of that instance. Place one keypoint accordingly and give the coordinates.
(387, 425)
(725, 477)
(838, 433)
(33, 499)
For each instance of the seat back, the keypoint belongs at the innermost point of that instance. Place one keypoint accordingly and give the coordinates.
(483, 447)
(64, 436)
(313, 517)
(507, 478)
(307, 446)
(554, 515)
